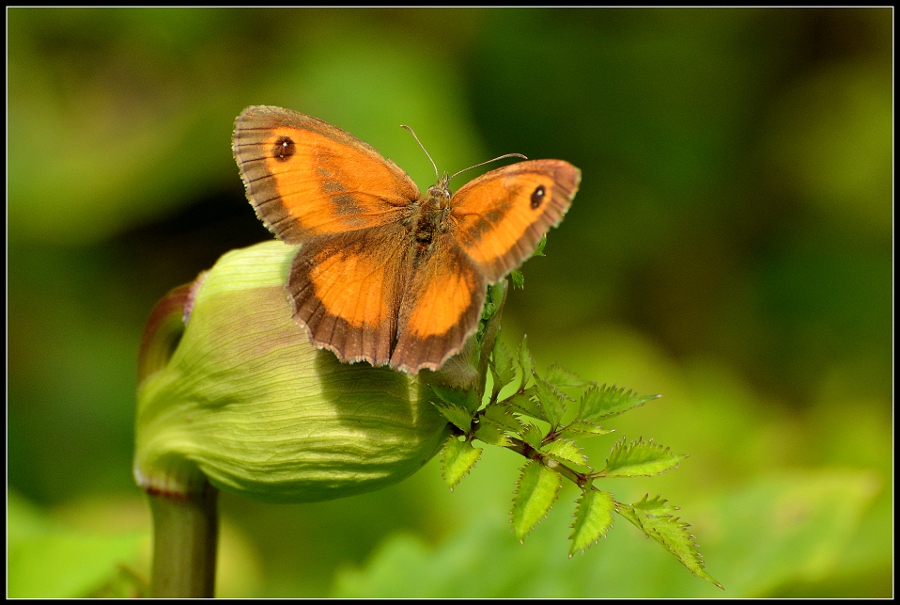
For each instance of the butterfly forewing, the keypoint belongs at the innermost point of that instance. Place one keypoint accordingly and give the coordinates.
(499, 218)
(306, 177)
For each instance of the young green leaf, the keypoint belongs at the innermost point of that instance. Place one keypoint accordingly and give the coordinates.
(602, 402)
(563, 377)
(525, 404)
(503, 369)
(492, 300)
(593, 518)
(636, 512)
(639, 459)
(526, 362)
(517, 278)
(503, 417)
(539, 251)
(491, 433)
(465, 399)
(552, 402)
(566, 451)
(459, 416)
(532, 435)
(493, 424)
(458, 457)
(655, 518)
(536, 491)
(585, 429)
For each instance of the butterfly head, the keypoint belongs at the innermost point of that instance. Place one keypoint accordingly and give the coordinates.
(440, 191)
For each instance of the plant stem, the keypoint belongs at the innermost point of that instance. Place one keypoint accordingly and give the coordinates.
(525, 450)
(185, 535)
(490, 333)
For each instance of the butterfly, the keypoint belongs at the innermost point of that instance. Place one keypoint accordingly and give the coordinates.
(386, 274)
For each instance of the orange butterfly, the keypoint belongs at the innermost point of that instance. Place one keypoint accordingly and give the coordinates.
(386, 274)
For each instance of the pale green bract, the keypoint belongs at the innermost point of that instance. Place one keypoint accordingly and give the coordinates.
(247, 403)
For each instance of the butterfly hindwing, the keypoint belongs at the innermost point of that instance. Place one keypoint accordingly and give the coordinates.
(346, 289)
(440, 307)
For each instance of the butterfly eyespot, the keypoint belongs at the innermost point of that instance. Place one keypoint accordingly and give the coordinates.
(537, 197)
(284, 148)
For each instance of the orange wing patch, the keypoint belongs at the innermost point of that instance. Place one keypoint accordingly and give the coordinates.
(440, 308)
(347, 289)
(499, 218)
(307, 178)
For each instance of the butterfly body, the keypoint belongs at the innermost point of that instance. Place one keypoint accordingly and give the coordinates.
(385, 274)
(427, 216)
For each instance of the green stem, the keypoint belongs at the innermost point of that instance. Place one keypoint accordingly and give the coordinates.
(525, 450)
(185, 534)
(491, 331)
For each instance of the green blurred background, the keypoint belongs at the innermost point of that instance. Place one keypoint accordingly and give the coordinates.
(730, 248)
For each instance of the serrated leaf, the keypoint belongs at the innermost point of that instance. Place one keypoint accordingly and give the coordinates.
(460, 417)
(539, 251)
(524, 403)
(458, 457)
(552, 401)
(526, 362)
(586, 429)
(502, 416)
(465, 399)
(491, 433)
(639, 459)
(492, 300)
(605, 401)
(502, 368)
(487, 312)
(517, 278)
(565, 451)
(535, 493)
(593, 518)
(561, 376)
(655, 518)
(532, 435)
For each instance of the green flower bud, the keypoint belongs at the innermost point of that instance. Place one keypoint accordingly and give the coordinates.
(245, 401)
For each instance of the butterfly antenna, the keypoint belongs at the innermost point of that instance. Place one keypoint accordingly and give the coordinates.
(502, 157)
(437, 174)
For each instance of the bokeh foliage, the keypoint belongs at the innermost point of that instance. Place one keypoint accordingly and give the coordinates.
(730, 248)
